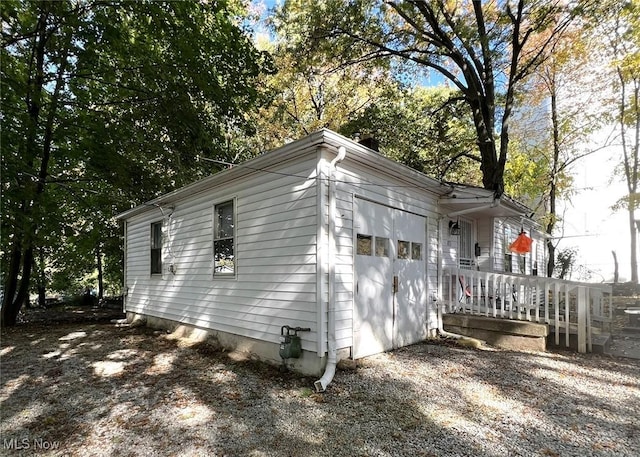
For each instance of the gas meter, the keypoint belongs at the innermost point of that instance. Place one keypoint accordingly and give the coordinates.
(290, 345)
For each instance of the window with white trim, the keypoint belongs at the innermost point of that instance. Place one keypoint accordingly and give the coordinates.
(508, 256)
(156, 248)
(224, 260)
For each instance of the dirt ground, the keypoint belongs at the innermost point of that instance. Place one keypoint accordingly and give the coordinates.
(75, 383)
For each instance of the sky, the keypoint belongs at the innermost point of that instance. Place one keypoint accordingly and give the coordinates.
(591, 226)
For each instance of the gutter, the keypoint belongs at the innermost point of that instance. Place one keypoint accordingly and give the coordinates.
(495, 203)
(330, 370)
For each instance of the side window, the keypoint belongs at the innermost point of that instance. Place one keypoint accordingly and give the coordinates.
(156, 248)
(522, 263)
(364, 246)
(224, 261)
(508, 257)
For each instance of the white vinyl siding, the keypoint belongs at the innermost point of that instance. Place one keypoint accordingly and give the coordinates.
(354, 179)
(484, 227)
(505, 233)
(275, 244)
(280, 246)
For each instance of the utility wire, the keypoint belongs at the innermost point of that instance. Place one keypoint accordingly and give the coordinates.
(264, 170)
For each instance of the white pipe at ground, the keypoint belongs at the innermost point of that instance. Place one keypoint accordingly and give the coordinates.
(330, 369)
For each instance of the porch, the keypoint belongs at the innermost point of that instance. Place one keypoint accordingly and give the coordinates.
(576, 313)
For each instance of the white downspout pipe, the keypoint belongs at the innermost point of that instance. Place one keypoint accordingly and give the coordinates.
(330, 369)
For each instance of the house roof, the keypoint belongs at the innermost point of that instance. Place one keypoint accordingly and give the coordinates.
(458, 199)
(463, 199)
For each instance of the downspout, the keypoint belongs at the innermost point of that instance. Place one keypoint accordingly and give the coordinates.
(125, 289)
(440, 272)
(330, 369)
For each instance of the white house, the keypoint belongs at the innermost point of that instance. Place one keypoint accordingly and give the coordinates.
(322, 233)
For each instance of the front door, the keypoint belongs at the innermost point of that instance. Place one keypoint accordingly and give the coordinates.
(390, 303)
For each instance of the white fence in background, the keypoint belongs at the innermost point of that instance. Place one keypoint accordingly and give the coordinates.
(568, 307)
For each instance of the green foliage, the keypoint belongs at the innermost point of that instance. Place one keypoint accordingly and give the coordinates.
(565, 262)
(428, 129)
(106, 105)
(618, 24)
(484, 49)
(310, 90)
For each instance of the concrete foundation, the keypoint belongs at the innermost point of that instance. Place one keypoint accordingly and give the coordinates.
(501, 333)
(240, 347)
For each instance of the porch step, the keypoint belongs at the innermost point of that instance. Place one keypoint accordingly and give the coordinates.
(501, 333)
(600, 342)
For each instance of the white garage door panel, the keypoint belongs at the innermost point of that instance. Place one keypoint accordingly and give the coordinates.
(410, 299)
(389, 244)
(373, 319)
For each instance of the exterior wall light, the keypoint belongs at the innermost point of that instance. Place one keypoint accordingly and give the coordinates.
(454, 228)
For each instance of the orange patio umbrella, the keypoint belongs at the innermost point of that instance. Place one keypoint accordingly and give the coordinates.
(522, 244)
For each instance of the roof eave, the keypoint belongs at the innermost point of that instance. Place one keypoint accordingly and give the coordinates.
(274, 157)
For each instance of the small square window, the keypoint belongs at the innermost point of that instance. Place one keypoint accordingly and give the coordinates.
(364, 244)
(416, 251)
(382, 247)
(403, 249)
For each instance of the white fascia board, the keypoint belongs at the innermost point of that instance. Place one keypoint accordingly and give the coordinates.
(376, 161)
(274, 157)
(355, 151)
(465, 200)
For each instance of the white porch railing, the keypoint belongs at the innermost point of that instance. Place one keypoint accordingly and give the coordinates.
(568, 307)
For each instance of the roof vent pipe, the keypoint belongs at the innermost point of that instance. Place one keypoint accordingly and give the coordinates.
(330, 369)
(370, 142)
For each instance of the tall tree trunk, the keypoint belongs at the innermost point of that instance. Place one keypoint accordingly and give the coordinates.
(11, 281)
(633, 232)
(555, 166)
(20, 265)
(630, 154)
(492, 175)
(19, 278)
(100, 273)
(615, 267)
(42, 279)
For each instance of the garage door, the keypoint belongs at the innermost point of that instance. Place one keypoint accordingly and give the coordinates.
(390, 298)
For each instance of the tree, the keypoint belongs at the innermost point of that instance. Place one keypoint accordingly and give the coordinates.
(485, 49)
(310, 91)
(555, 128)
(626, 51)
(618, 24)
(565, 263)
(111, 99)
(428, 129)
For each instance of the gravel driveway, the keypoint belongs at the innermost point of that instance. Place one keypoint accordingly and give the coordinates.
(99, 390)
